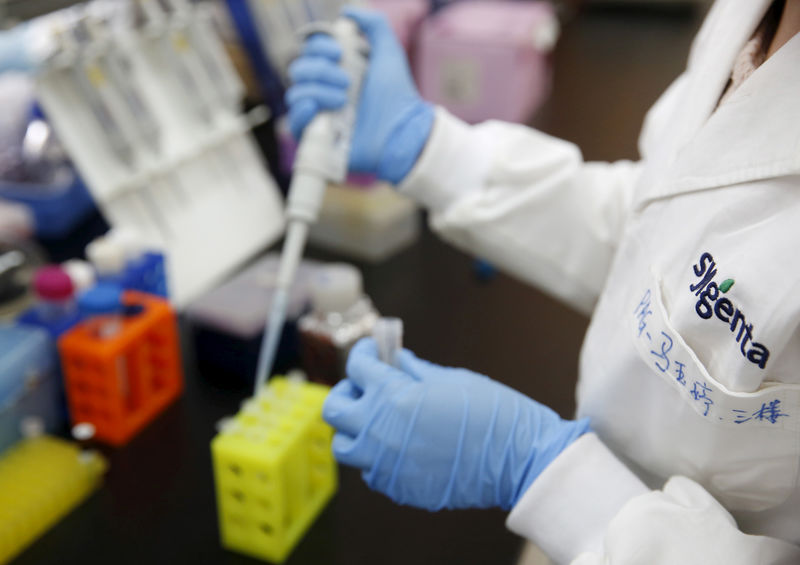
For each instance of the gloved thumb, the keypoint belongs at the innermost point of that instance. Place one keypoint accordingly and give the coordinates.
(373, 24)
(417, 368)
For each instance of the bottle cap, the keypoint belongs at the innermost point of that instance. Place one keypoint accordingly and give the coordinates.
(107, 256)
(83, 431)
(132, 244)
(103, 298)
(53, 283)
(81, 273)
(336, 288)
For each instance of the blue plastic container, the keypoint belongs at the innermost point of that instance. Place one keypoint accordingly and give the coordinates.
(147, 274)
(29, 381)
(57, 210)
(55, 328)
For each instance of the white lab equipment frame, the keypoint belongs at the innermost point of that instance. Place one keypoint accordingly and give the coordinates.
(204, 195)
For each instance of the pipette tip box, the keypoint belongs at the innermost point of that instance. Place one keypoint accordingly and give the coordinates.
(30, 385)
(41, 481)
(274, 470)
(120, 384)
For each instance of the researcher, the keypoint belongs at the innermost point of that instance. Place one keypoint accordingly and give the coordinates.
(686, 444)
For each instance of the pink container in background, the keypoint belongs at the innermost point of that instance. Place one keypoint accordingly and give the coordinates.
(405, 17)
(487, 59)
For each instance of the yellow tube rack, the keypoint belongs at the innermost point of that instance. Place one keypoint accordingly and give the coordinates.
(273, 469)
(41, 481)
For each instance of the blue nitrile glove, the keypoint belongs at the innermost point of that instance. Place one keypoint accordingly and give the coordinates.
(16, 49)
(436, 437)
(393, 122)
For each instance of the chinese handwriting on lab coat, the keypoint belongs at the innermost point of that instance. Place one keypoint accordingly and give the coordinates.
(767, 413)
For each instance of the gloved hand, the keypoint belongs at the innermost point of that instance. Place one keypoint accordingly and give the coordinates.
(436, 437)
(17, 49)
(393, 123)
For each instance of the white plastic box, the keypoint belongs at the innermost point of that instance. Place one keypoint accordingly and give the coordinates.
(487, 59)
(365, 223)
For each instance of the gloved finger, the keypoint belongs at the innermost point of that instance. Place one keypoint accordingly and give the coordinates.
(418, 368)
(342, 411)
(300, 115)
(374, 24)
(323, 45)
(348, 451)
(326, 97)
(363, 366)
(318, 70)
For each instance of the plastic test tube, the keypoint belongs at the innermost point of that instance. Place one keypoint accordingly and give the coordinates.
(55, 292)
(109, 259)
(388, 333)
(102, 304)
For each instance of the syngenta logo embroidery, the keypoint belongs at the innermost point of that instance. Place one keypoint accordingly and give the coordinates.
(711, 304)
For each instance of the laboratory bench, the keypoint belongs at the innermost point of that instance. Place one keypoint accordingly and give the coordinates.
(157, 504)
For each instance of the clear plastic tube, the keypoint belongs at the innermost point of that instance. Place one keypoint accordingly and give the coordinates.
(388, 334)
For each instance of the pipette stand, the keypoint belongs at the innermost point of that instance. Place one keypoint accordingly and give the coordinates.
(199, 189)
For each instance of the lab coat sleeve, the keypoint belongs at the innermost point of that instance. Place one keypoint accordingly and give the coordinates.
(587, 508)
(525, 201)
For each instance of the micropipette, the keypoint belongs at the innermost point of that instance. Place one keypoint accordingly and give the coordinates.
(322, 157)
(94, 84)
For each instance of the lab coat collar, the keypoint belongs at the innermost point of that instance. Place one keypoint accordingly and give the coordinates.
(755, 134)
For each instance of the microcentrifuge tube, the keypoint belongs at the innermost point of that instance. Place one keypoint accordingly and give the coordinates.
(388, 333)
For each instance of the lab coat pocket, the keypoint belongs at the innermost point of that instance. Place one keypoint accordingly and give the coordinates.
(743, 447)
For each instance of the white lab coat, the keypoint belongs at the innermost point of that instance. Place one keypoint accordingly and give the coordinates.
(690, 390)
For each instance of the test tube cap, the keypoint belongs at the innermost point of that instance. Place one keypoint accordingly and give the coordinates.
(103, 298)
(132, 244)
(107, 255)
(336, 288)
(53, 283)
(83, 431)
(81, 273)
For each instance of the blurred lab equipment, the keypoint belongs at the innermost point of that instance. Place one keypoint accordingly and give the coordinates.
(341, 315)
(55, 309)
(122, 364)
(273, 469)
(19, 261)
(396, 425)
(146, 103)
(29, 382)
(467, 49)
(126, 258)
(102, 309)
(55, 292)
(42, 479)
(366, 223)
(35, 172)
(81, 273)
(227, 323)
